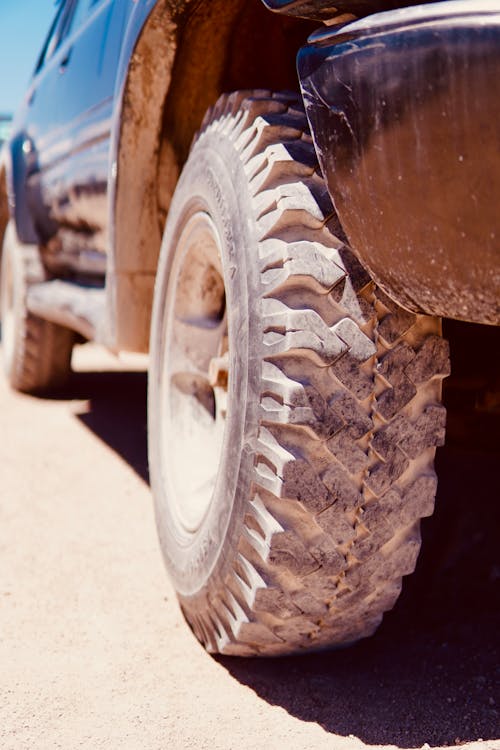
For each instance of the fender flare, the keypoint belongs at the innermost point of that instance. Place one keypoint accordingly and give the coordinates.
(134, 221)
(14, 166)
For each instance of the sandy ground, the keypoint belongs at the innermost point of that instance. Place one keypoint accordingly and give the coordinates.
(94, 652)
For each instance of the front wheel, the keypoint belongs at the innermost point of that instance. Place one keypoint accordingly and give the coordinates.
(293, 408)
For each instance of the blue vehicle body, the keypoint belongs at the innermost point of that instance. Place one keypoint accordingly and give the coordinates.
(121, 87)
(291, 240)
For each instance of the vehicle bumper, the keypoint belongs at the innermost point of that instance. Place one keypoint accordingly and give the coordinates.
(404, 109)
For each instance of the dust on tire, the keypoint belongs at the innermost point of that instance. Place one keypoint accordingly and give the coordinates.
(348, 407)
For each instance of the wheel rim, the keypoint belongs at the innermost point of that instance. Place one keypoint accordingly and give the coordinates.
(194, 375)
(7, 311)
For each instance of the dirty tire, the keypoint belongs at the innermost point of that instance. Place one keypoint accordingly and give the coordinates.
(36, 352)
(333, 409)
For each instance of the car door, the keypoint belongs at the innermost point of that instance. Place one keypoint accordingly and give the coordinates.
(70, 123)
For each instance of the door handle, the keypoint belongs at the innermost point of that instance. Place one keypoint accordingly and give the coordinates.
(65, 61)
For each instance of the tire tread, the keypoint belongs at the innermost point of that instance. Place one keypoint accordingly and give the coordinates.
(41, 352)
(350, 415)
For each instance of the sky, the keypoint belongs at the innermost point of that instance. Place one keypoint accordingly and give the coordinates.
(24, 25)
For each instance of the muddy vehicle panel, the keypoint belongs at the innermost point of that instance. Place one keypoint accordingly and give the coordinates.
(282, 245)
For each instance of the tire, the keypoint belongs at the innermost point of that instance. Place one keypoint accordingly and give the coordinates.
(328, 394)
(36, 352)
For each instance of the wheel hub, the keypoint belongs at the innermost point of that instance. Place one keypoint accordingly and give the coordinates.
(195, 374)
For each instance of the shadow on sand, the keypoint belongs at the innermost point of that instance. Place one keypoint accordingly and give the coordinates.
(116, 412)
(429, 674)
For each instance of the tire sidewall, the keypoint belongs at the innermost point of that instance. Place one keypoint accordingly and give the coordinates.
(12, 266)
(214, 181)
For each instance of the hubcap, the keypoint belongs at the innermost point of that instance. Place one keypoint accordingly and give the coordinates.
(195, 373)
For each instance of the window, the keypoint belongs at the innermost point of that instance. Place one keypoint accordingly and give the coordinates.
(55, 33)
(70, 15)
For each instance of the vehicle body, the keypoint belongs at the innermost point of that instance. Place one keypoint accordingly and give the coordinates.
(405, 130)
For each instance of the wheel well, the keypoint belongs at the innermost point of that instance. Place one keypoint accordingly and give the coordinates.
(181, 64)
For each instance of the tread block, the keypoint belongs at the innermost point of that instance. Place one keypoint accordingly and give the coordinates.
(390, 436)
(328, 421)
(301, 482)
(260, 104)
(348, 367)
(355, 421)
(287, 329)
(412, 438)
(384, 474)
(402, 560)
(362, 549)
(348, 453)
(297, 630)
(333, 520)
(345, 297)
(394, 511)
(361, 347)
(386, 511)
(301, 257)
(426, 432)
(395, 398)
(395, 324)
(276, 166)
(432, 359)
(332, 562)
(342, 489)
(418, 499)
(274, 411)
(288, 552)
(264, 133)
(321, 584)
(347, 370)
(275, 602)
(306, 602)
(393, 364)
(256, 636)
